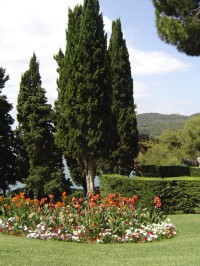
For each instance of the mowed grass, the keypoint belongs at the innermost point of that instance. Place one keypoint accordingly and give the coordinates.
(182, 250)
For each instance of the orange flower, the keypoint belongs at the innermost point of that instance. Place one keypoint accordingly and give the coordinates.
(101, 205)
(58, 204)
(21, 195)
(111, 195)
(97, 197)
(28, 200)
(1, 198)
(92, 204)
(77, 206)
(15, 199)
(35, 202)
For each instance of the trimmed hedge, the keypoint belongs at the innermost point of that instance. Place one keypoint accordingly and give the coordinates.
(195, 171)
(178, 195)
(164, 171)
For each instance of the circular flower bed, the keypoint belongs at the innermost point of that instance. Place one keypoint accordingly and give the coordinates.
(114, 219)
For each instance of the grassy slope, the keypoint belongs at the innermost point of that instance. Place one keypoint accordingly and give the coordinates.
(181, 250)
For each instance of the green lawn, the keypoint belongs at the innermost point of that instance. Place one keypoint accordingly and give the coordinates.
(182, 250)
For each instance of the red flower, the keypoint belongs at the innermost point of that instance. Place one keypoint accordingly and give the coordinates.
(157, 202)
(42, 201)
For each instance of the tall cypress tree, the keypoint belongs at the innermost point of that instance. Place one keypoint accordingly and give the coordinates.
(8, 172)
(123, 108)
(65, 66)
(87, 94)
(35, 119)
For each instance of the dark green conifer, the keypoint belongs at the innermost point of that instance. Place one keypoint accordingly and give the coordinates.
(85, 96)
(35, 118)
(123, 108)
(8, 171)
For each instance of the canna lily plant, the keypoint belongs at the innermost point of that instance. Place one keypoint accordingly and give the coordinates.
(114, 219)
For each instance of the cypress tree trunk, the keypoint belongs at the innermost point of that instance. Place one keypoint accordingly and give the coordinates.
(90, 174)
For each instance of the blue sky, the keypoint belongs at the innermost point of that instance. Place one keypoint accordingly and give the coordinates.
(165, 80)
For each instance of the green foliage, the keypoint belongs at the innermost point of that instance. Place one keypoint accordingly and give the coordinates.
(84, 125)
(191, 137)
(175, 147)
(65, 67)
(36, 131)
(22, 159)
(178, 23)
(163, 171)
(153, 124)
(194, 171)
(8, 169)
(178, 195)
(125, 137)
(166, 150)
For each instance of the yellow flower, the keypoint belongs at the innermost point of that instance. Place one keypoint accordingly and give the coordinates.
(71, 221)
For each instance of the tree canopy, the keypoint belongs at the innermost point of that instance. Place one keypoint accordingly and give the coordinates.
(178, 23)
(175, 147)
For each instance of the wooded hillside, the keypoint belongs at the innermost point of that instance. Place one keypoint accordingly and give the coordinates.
(153, 124)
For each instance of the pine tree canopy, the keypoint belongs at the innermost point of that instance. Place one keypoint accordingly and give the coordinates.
(178, 23)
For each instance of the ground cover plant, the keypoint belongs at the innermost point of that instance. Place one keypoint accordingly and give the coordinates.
(113, 219)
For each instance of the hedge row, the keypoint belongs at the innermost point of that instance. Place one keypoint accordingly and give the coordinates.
(178, 195)
(194, 171)
(167, 171)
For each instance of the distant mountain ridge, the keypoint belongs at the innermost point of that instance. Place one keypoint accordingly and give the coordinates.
(153, 124)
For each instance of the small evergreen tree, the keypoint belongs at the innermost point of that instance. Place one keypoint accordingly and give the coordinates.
(36, 128)
(8, 171)
(123, 108)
